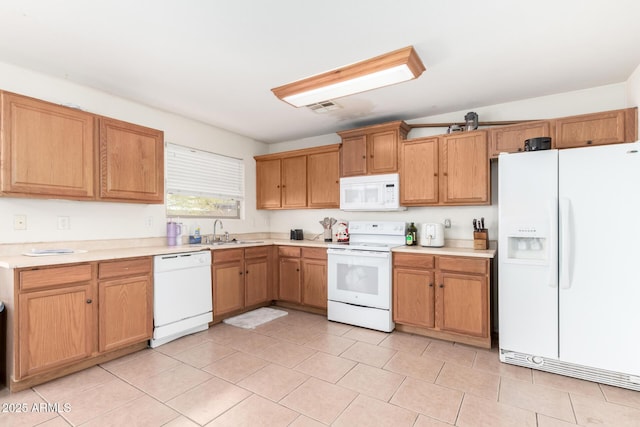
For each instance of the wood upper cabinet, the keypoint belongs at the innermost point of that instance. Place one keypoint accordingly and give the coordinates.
(314, 277)
(125, 292)
(372, 149)
(47, 150)
(131, 162)
(268, 178)
(413, 290)
(307, 178)
(227, 273)
(608, 127)
(323, 179)
(510, 139)
(464, 169)
(462, 296)
(56, 318)
(419, 172)
(294, 182)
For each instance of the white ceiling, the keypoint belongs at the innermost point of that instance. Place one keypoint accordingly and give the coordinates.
(216, 61)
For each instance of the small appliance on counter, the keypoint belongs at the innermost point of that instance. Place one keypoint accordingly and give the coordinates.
(296, 234)
(431, 234)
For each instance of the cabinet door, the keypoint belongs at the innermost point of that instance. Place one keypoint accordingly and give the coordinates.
(131, 162)
(462, 304)
(354, 156)
(256, 281)
(382, 152)
(268, 183)
(464, 166)
(294, 182)
(314, 285)
(510, 139)
(228, 287)
(46, 150)
(56, 327)
(323, 171)
(289, 283)
(591, 129)
(413, 297)
(419, 172)
(125, 312)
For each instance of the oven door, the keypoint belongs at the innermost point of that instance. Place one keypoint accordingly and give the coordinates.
(359, 277)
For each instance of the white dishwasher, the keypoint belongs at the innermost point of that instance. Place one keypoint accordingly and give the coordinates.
(182, 302)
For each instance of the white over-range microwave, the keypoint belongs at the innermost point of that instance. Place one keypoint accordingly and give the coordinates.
(370, 193)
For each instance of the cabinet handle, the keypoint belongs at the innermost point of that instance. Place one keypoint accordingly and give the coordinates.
(364, 157)
(241, 273)
(247, 272)
(441, 285)
(371, 156)
(89, 301)
(589, 142)
(297, 269)
(431, 285)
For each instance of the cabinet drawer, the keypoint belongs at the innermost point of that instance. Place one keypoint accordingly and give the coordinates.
(259, 252)
(289, 251)
(464, 265)
(41, 278)
(125, 267)
(413, 260)
(317, 253)
(227, 255)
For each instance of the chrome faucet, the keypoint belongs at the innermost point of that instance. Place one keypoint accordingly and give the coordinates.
(214, 228)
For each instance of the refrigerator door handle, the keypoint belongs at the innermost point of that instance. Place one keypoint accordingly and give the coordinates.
(565, 243)
(552, 210)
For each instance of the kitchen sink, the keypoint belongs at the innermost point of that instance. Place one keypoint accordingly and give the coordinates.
(235, 242)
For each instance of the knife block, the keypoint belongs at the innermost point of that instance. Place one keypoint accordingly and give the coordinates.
(481, 239)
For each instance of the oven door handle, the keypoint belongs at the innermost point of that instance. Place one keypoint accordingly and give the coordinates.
(356, 252)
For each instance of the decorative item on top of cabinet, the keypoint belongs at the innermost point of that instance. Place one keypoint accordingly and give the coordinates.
(510, 139)
(131, 162)
(607, 127)
(47, 150)
(372, 149)
(306, 178)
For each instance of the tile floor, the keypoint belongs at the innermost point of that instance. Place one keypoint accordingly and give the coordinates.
(301, 370)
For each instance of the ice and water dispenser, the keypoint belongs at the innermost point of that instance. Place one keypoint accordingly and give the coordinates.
(528, 244)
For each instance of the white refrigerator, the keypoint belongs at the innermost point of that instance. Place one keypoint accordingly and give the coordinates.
(569, 262)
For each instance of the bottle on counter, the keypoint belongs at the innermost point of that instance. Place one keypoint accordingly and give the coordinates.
(412, 234)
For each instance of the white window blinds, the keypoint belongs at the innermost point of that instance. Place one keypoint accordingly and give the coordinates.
(200, 183)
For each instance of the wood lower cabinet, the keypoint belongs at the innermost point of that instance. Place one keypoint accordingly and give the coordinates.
(446, 297)
(303, 276)
(241, 279)
(413, 290)
(314, 277)
(125, 292)
(56, 328)
(372, 149)
(47, 150)
(510, 139)
(131, 162)
(608, 127)
(227, 273)
(289, 274)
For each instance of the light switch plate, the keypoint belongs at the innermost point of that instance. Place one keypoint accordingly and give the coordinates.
(19, 222)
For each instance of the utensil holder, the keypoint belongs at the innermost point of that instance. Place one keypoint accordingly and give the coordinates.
(481, 239)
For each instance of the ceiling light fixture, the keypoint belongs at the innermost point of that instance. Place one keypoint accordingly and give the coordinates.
(384, 70)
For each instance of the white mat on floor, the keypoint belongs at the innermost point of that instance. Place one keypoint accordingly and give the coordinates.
(255, 318)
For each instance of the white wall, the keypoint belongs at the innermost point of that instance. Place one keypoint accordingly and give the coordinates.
(566, 104)
(99, 220)
(633, 89)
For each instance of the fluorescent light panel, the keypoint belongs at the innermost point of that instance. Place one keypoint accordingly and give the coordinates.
(391, 68)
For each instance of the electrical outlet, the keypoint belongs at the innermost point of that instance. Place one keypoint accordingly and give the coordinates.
(447, 223)
(19, 222)
(148, 222)
(64, 223)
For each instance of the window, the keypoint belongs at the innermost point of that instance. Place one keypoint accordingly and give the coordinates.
(203, 184)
